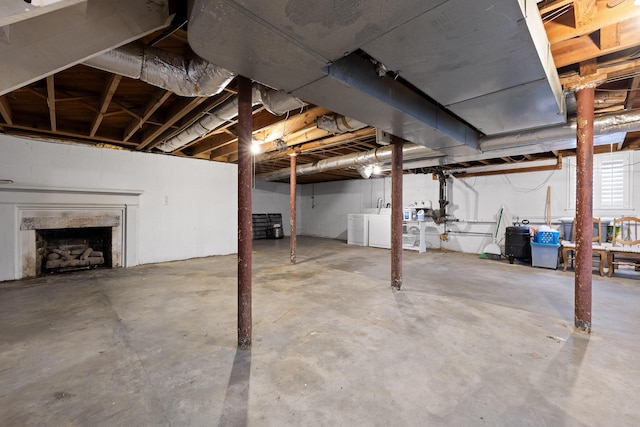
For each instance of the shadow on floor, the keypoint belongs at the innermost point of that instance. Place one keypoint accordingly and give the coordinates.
(236, 401)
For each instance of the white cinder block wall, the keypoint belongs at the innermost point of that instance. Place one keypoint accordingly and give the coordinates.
(474, 203)
(273, 197)
(188, 207)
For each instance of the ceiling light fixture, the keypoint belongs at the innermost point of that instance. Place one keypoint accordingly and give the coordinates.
(255, 146)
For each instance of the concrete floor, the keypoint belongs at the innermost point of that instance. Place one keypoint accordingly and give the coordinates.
(467, 342)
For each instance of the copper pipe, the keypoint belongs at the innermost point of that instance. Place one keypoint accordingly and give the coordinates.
(396, 212)
(584, 209)
(292, 210)
(245, 126)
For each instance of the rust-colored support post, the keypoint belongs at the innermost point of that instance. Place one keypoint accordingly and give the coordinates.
(292, 210)
(396, 212)
(584, 209)
(245, 234)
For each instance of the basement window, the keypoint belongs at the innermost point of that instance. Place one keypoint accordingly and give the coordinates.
(612, 174)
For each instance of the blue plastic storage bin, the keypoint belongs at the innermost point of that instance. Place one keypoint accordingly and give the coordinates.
(544, 255)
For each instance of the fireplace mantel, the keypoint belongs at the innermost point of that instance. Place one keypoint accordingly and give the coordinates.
(20, 204)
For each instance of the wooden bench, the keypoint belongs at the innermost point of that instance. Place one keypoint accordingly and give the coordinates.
(625, 244)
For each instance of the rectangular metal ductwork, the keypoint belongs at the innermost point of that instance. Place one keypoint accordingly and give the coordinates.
(482, 63)
(489, 62)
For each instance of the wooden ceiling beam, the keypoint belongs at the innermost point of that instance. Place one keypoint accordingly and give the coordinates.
(297, 123)
(181, 109)
(317, 145)
(602, 74)
(105, 100)
(51, 101)
(584, 12)
(610, 36)
(80, 100)
(634, 94)
(586, 47)
(157, 99)
(5, 110)
(76, 136)
(562, 29)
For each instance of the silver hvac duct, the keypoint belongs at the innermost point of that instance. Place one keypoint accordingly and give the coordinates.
(275, 101)
(182, 76)
(338, 124)
(357, 160)
(603, 125)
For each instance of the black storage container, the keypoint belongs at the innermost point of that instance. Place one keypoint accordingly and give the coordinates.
(517, 243)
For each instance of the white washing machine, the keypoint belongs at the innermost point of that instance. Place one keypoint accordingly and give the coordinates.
(358, 229)
(380, 231)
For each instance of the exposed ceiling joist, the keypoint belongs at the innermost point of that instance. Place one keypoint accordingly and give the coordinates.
(603, 73)
(51, 101)
(184, 107)
(586, 47)
(633, 96)
(110, 88)
(158, 98)
(5, 110)
(590, 19)
(315, 145)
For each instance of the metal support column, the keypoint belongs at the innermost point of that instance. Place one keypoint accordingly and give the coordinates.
(396, 212)
(245, 234)
(292, 210)
(584, 209)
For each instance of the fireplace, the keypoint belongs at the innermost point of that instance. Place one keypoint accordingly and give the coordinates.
(57, 240)
(73, 218)
(66, 249)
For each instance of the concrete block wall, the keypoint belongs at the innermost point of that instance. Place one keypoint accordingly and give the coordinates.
(474, 203)
(273, 197)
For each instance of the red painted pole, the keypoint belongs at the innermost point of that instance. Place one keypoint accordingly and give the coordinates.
(584, 209)
(396, 212)
(245, 234)
(292, 209)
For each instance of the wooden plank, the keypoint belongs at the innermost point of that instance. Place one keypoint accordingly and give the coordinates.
(305, 120)
(562, 29)
(155, 102)
(589, 67)
(109, 89)
(634, 94)
(5, 110)
(583, 48)
(602, 74)
(65, 135)
(610, 36)
(181, 109)
(51, 101)
(584, 12)
(318, 145)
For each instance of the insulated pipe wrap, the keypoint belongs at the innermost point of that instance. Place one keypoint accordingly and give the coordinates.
(276, 102)
(189, 77)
